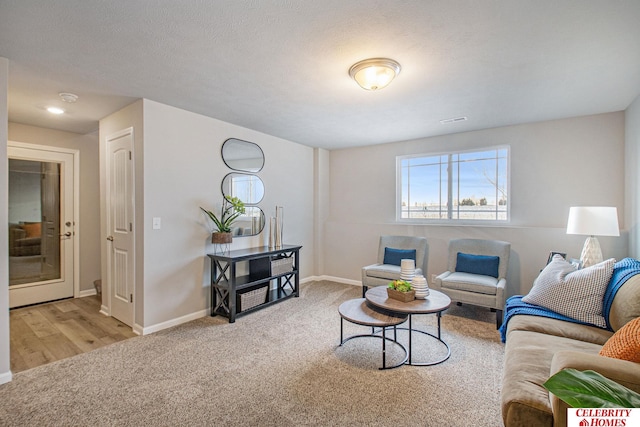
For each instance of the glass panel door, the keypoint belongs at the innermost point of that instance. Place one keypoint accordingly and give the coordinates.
(34, 221)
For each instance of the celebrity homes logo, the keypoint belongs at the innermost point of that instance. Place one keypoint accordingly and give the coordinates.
(603, 417)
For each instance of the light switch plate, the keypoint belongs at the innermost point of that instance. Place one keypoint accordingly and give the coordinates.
(156, 223)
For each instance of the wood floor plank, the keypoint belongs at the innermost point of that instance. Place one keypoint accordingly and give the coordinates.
(65, 305)
(38, 323)
(52, 331)
(78, 335)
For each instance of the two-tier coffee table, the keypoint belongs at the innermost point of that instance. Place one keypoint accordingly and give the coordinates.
(436, 303)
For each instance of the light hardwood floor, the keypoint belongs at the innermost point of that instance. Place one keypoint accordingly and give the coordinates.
(52, 331)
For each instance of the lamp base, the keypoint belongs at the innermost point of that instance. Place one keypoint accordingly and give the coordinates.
(591, 252)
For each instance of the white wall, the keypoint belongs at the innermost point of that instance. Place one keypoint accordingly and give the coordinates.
(182, 169)
(89, 219)
(5, 360)
(554, 165)
(632, 176)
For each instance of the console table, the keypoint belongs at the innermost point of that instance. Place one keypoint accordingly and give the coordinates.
(264, 266)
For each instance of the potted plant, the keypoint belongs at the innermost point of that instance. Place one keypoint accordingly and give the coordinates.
(589, 389)
(232, 208)
(401, 290)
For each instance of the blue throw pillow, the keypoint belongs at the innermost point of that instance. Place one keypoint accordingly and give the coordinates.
(394, 256)
(487, 265)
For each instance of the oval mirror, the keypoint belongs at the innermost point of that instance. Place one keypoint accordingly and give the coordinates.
(242, 155)
(251, 223)
(246, 187)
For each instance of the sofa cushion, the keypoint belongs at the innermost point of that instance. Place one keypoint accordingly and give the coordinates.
(527, 363)
(625, 343)
(574, 293)
(486, 265)
(385, 271)
(558, 328)
(471, 283)
(395, 256)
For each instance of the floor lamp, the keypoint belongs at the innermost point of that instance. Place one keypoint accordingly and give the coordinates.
(592, 221)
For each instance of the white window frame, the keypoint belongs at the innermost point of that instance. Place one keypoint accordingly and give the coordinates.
(452, 221)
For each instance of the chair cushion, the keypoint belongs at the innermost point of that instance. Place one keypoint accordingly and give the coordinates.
(471, 283)
(574, 293)
(486, 265)
(385, 271)
(395, 256)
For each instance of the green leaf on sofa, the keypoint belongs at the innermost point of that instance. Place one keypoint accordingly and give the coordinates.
(589, 389)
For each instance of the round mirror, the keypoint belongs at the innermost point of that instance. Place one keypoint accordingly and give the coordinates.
(242, 155)
(246, 187)
(251, 223)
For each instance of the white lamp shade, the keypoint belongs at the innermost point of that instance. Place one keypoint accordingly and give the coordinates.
(593, 221)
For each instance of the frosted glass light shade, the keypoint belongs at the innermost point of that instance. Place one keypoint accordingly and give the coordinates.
(374, 74)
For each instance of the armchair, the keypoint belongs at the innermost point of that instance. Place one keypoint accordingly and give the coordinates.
(380, 274)
(476, 274)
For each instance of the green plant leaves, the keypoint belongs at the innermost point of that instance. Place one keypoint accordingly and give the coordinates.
(589, 389)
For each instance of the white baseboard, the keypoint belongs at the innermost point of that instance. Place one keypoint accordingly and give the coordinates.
(105, 310)
(6, 377)
(87, 293)
(203, 313)
(339, 280)
(138, 329)
(173, 322)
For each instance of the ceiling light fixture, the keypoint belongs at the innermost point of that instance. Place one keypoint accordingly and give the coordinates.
(375, 73)
(55, 110)
(68, 97)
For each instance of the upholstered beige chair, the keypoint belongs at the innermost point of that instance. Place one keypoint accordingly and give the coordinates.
(477, 271)
(393, 249)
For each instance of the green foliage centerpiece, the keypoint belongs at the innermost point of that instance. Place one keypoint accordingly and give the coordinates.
(401, 290)
(232, 208)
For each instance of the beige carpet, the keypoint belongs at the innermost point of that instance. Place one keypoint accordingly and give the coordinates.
(276, 367)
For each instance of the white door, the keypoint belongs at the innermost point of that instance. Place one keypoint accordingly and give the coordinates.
(120, 199)
(41, 224)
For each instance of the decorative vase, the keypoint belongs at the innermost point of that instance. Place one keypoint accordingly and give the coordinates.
(272, 232)
(279, 226)
(221, 238)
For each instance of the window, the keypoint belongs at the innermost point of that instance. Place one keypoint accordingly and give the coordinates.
(469, 185)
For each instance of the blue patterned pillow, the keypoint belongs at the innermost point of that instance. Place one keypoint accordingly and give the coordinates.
(574, 293)
(395, 256)
(487, 265)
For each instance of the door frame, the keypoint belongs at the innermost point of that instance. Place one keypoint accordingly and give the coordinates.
(76, 201)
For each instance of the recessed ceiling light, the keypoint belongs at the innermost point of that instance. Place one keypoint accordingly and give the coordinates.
(68, 97)
(55, 110)
(453, 120)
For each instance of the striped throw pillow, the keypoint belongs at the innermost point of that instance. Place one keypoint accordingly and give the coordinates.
(574, 293)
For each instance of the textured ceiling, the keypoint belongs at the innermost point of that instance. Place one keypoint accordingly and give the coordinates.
(281, 66)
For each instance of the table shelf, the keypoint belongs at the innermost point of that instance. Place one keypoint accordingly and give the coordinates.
(227, 286)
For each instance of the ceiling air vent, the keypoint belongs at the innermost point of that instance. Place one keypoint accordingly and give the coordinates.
(453, 120)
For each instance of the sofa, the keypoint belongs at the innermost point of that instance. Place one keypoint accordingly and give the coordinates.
(25, 238)
(537, 347)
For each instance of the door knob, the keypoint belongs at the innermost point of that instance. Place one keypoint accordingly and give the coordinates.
(67, 234)
(110, 238)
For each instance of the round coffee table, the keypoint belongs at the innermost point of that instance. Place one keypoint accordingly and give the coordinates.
(357, 311)
(435, 303)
